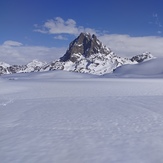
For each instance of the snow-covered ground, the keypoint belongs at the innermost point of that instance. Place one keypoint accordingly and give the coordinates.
(63, 117)
(149, 69)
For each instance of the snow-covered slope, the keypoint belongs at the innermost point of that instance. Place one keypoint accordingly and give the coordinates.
(33, 66)
(152, 68)
(47, 119)
(86, 54)
(48, 75)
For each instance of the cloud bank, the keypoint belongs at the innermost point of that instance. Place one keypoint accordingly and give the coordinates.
(19, 54)
(127, 46)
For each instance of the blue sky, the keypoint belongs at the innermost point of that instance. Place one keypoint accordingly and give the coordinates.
(53, 24)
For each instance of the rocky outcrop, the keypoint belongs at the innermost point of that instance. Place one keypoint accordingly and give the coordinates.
(84, 45)
(142, 57)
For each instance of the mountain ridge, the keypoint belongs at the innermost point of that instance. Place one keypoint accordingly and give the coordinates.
(86, 54)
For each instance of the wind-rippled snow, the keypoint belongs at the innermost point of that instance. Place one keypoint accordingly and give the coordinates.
(63, 117)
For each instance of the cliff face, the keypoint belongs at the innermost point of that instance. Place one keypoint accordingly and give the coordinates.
(84, 45)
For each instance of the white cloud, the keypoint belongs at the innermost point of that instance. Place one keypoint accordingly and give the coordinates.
(127, 46)
(60, 37)
(12, 43)
(24, 54)
(60, 26)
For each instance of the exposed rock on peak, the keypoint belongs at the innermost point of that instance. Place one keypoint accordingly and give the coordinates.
(142, 57)
(85, 44)
(4, 68)
(86, 54)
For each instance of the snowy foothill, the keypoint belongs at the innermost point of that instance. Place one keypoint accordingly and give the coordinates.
(152, 68)
(65, 117)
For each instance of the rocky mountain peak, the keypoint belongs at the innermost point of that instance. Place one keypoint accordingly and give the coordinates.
(86, 45)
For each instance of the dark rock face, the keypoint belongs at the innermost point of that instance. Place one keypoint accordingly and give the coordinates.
(16, 68)
(85, 45)
(142, 57)
(3, 70)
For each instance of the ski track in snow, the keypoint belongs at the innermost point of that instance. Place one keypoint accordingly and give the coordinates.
(81, 120)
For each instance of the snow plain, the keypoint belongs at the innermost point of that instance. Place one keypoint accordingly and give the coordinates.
(63, 117)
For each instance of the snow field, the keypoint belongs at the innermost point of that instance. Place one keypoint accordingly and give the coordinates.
(74, 119)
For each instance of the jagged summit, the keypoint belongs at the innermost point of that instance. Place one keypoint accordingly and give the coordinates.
(86, 54)
(85, 44)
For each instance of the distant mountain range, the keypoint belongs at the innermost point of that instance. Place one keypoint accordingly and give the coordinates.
(86, 54)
